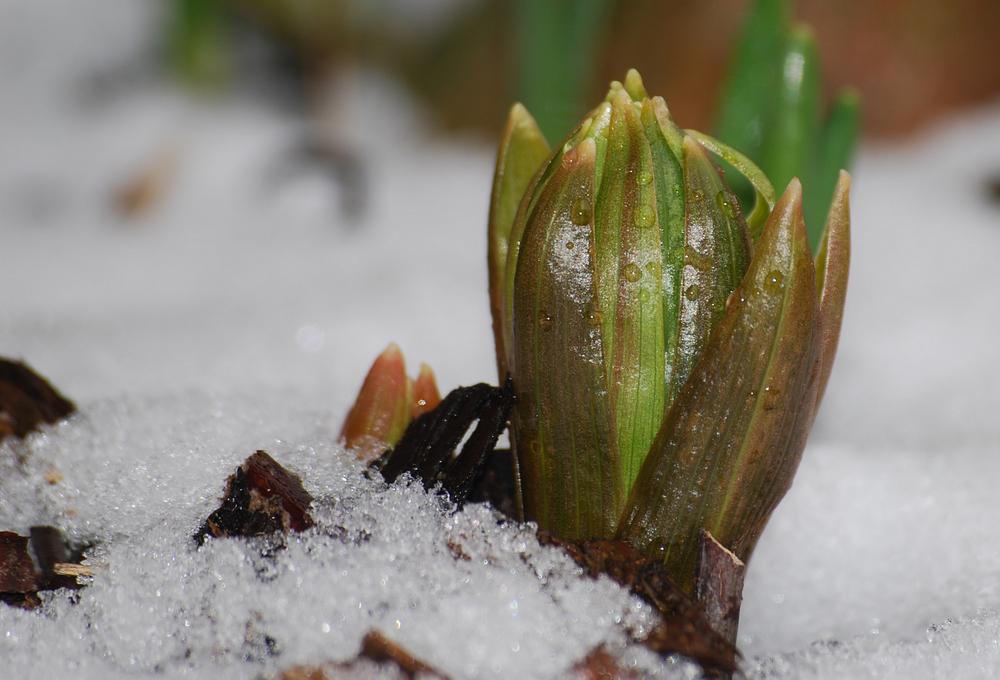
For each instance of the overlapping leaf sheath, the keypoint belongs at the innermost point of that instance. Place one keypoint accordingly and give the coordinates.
(729, 447)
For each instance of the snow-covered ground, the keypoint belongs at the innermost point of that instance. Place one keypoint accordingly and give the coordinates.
(242, 312)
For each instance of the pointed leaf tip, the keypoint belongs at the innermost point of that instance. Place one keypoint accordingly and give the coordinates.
(832, 267)
(426, 396)
(634, 86)
(523, 151)
(381, 412)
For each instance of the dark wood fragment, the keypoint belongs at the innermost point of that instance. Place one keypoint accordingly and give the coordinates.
(684, 628)
(719, 585)
(51, 553)
(40, 561)
(17, 570)
(27, 400)
(262, 498)
(427, 448)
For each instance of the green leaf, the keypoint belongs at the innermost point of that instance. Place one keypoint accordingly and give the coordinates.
(790, 136)
(729, 446)
(522, 152)
(764, 196)
(835, 153)
(555, 51)
(752, 85)
(832, 265)
(563, 432)
(629, 252)
(717, 252)
(753, 77)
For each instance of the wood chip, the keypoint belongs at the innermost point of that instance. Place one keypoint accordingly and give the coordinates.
(27, 400)
(262, 498)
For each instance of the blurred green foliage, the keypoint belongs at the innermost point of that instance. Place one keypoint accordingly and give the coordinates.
(557, 49)
(199, 44)
(772, 110)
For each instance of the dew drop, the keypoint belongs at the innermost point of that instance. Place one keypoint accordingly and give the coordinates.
(544, 320)
(594, 318)
(697, 194)
(580, 212)
(697, 260)
(536, 447)
(726, 204)
(691, 293)
(569, 245)
(774, 282)
(645, 177)
(632, 272)
(645, 217)
(644, 295)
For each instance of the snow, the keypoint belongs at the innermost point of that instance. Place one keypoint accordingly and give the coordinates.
(242, 312)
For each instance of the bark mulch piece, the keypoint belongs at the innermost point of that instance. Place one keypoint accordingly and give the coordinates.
(262, 498)
(379, 657)
(684, 629)
(27, 400)
(427, 448)
(39, 561)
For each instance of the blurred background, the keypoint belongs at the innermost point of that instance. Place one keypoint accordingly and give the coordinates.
(467, 60)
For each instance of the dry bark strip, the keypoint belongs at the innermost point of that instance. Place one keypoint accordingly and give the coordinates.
(684, 628)
(427, 449)
(262, 498)
(27, 400)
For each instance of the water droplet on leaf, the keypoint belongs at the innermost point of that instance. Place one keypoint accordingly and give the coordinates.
(544, 320)
(632, 272)
(774, 282)
(726, 204)
(691, 293)
(645, 217)
(580, 212)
